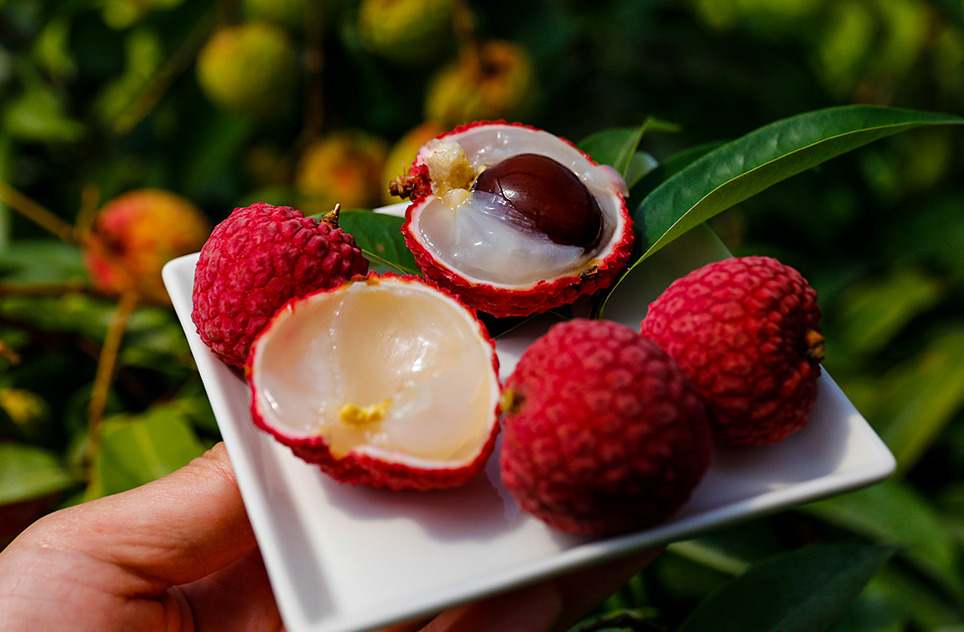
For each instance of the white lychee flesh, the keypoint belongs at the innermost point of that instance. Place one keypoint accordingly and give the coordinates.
(386, 367)
(471, 234)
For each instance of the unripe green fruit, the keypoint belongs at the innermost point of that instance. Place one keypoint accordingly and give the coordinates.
(344, 167)
(495, 81)
(249, 69)
(407, 32)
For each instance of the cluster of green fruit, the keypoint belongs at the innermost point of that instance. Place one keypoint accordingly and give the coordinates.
(256, 66)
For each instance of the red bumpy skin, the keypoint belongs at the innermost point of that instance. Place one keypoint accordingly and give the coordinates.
(254, 262)
(605, 433)
(746, 331)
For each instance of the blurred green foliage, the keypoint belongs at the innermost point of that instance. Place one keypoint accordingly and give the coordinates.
(99, 393)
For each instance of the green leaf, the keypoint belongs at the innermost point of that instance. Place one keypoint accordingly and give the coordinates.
(39, 115)
(28, 472)
(913, 598)
(41, 261)
(891, 513)
(874, 311)
(746, 166)
(919, 397)
(137, 450)
(617, 147)
(802, 590)
(380, 238)
(614, 147)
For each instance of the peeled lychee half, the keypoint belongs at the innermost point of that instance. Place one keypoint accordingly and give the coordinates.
(254, 262)
(383, 381)
(513, 219)
(602, 433)
(746, 330)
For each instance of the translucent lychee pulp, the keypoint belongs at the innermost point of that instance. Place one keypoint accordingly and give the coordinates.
(474, 233)
(384, 368)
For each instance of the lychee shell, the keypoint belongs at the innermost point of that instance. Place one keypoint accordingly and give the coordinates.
(743, 330)
(609, 435)
(256, 260)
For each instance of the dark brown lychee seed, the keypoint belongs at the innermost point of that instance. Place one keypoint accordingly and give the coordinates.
(547, 198)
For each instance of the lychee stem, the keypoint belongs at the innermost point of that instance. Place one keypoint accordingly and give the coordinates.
(816, 345)
(331, 218)
(37, 213)
(105, 371)
(510, 401)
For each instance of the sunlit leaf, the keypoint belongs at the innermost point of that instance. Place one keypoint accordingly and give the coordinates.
(30, 472)
(137, 450)
(802, 590)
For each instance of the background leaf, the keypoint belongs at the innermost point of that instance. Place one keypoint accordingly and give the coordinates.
(802, 591)
(29, 472)
(138, 450)
(892, 513)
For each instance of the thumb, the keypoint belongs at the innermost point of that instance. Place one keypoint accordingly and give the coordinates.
(174, 530)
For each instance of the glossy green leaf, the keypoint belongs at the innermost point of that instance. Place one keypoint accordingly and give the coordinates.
(28, 472)
(800, 591)
(614, 147)
(380, 238)
(618, 148)
(892, 513)
(138, 450)
(746, 166)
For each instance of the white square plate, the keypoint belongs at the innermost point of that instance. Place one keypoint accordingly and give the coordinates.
(343, 558)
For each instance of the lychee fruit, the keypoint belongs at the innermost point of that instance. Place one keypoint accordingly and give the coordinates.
(493, 80)
(513, 219)
(133, 235)
(746, 330)
(249, 69)
(602, 432)
(256, 260)
(343, 167)
(383, 381)
(408, 33)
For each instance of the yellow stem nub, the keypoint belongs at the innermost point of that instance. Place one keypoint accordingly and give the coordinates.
(816, 345)
(363, 416)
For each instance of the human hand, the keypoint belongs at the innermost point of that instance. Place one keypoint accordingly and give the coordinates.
(179, 554)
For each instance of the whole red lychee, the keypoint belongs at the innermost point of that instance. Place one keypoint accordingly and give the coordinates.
(746, 330)
(135, 234)
(603, 432)
(256, 260)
